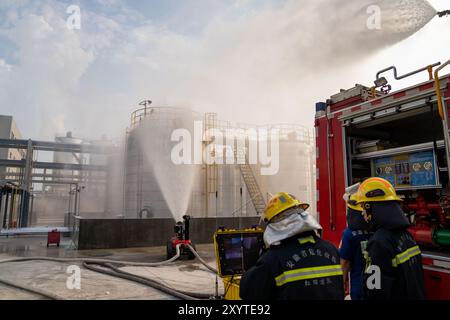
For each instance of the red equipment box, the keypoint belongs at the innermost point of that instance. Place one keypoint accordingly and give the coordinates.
(54, 237)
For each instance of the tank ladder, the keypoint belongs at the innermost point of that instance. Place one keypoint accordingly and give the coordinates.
(251, 183)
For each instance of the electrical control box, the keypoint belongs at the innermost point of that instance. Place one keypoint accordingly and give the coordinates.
(237, 250)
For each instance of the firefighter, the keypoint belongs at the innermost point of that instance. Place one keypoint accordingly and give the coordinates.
(393, 259)
(354, 237)
(298, 265)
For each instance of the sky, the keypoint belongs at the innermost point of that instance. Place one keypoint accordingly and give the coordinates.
(250, 61)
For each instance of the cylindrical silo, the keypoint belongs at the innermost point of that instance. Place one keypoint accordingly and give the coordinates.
(296, 172)
(226, 190)
(155, 185)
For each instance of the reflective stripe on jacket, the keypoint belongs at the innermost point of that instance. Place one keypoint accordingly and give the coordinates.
(304, 267)
(400, 264)
(308, 273)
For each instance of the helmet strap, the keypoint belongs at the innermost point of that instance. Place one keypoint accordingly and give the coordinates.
(368, 210)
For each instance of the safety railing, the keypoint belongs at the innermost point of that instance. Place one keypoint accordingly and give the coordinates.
(381, 82)
(158, 113)
(285, 131)
(437, 82)
(443, 112)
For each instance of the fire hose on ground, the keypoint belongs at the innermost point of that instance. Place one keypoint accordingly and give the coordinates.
(201, 260)
(145, 281)
(89, 263)
(37, 291)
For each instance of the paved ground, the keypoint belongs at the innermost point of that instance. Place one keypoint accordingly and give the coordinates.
(52, 276)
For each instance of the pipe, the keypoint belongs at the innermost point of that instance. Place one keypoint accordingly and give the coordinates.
(430, 72)
(397, 77)
(5, 215)
(422, 235)
(330, 195)
(442, 237)
(438, 89)
(443, 112)
(186, 219)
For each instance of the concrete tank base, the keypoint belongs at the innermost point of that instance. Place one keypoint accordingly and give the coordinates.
(133, 233)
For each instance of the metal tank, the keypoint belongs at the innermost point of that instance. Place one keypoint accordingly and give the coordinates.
(226, 191)
(68, 157)
(296, 173)
(154, 186)
(94, 191)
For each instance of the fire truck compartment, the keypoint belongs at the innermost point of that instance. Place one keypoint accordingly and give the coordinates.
(393, 144)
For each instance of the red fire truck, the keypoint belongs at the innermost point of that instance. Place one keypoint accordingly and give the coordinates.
(403, 137)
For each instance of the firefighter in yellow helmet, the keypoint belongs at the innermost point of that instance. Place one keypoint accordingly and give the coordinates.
(354, 237)
(393, 259)
(298, 265)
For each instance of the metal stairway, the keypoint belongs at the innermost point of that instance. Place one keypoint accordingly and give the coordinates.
(254, 191)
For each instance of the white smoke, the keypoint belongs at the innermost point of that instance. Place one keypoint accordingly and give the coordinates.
(267, 65)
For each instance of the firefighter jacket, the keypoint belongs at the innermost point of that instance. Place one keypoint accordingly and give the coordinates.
(303, 267)
(393, 259)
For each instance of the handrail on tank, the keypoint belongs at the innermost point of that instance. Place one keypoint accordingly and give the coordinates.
(284, 129)
(438, 89)
(139, 114)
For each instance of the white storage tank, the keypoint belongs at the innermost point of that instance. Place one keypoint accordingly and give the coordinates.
(296, 173)
(68, 157)
(154, 185)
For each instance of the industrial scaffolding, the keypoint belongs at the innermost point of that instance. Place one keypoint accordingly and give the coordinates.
(19, 179)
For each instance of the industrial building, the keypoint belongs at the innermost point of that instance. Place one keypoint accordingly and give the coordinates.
(9, 130)
(14, 205)
(54, 200)
(42, 193)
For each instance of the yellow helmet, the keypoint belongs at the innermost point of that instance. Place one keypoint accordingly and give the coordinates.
(281, 202)
(376, 190)
(352, 203)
